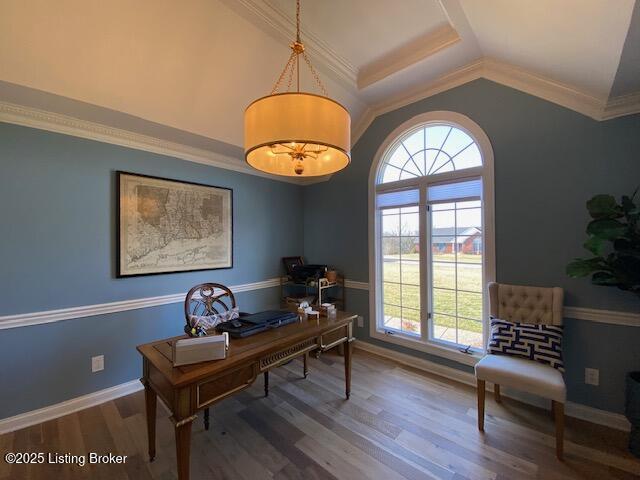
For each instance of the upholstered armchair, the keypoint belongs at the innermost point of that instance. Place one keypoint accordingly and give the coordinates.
(522, 304)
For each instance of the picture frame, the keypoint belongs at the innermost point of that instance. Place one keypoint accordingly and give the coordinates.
(291, 262)
(167, 226)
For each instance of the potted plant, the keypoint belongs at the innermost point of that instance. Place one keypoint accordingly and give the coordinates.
(632, 411)
(614, 241)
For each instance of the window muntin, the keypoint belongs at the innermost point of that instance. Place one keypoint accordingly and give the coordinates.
(433, 161)
(400, 269)
(429, 150)
(455, 263)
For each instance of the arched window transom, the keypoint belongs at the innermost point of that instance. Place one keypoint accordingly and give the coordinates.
(429, 150)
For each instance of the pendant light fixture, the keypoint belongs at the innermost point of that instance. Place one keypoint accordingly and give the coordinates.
(294, 133)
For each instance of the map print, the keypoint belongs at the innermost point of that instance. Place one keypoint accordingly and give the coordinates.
(168, 226)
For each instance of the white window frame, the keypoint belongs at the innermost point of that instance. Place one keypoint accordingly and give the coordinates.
(486, 172)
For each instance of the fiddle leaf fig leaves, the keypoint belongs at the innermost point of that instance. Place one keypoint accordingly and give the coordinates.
(604, 206)
(606, 229)
(594, 245)
(614, 240)
(581, 267)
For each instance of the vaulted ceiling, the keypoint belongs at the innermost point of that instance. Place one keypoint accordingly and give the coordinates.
(184, 71)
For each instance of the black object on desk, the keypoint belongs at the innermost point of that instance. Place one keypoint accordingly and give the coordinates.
(251, 324)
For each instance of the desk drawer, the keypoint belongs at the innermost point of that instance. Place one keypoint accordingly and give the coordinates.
(334, 337)
(286, 354)
(217, 388)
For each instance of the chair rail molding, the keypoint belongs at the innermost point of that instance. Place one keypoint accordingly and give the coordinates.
(353, 284)
(50, 316)
(612, 317)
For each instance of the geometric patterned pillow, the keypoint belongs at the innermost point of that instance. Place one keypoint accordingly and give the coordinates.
(542, 343)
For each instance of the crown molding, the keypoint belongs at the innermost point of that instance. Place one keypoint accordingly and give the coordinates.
(443, 83)
(514, 77)
(276, 23)
(622, 105)
(407, 55)
(361, 125)
(537, 85)
(54, 122)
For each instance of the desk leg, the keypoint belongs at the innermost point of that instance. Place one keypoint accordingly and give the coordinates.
(206, 418)
(266, 383)
(183, 447)
(305, 369)
(347, 368)
(151, 401)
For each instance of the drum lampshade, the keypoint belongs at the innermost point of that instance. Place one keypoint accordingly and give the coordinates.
(297, 134)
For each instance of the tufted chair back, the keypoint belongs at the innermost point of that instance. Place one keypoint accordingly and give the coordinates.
(516, 303)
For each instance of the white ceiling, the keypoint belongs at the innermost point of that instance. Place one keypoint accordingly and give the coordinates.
(362, 31)
(194, 65)
(577, 42)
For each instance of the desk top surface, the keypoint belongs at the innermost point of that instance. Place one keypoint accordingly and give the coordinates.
(159, 352)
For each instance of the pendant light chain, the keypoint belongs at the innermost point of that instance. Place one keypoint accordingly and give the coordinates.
(298, 21)
(315, 75)
(297, 49)
(288, 66)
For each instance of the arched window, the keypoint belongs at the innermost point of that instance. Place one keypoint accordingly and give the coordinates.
(431, 203)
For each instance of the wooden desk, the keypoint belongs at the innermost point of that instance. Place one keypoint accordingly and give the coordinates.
(190, 388)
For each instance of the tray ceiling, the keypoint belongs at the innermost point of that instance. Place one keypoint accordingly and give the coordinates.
(194, 65)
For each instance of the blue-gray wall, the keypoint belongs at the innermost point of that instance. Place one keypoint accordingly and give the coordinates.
(57, 245)
(548, 162)
(57, 250)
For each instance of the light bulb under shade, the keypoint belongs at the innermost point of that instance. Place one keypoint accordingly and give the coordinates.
(302, 118)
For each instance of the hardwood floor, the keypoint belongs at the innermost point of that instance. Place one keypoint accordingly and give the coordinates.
(400, 423)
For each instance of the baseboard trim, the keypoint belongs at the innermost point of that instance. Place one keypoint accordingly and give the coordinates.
(576, 410)
(49, 316)
(61, 409)
(73, 405)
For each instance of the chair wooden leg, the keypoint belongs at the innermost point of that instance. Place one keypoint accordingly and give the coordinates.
(481, 392)
(496, 393)
(558, 411)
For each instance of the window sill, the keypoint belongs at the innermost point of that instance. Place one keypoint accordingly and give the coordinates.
(438, 350)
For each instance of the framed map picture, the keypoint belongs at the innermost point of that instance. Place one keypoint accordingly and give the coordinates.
(168, 226)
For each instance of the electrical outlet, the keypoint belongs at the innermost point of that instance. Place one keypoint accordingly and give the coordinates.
(592, 376)
(97, 363)
(360, 321)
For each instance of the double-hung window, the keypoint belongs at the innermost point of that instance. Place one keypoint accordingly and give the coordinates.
(432, 226)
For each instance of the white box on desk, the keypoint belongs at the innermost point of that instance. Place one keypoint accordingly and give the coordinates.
(202, 349)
